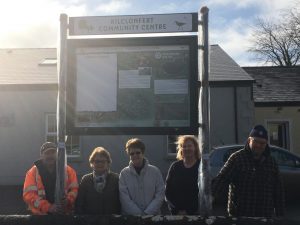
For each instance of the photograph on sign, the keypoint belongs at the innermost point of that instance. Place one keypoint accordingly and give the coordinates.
(135, 85)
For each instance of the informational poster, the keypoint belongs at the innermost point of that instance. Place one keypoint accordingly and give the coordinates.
(96, 83)
(132, 86)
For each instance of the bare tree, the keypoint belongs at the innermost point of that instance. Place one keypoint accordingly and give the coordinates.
(294, 24)
(278, 43)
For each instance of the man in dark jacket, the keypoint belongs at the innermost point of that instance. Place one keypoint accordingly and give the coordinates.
(255, 186)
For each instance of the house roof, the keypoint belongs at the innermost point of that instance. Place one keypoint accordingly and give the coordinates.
(23, 66)
(275, 84)
(224, 68)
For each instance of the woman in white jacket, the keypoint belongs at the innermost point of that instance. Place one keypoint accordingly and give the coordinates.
(141, 185)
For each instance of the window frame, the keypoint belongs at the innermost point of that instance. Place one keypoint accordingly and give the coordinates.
(48, 62)
(54, 134)
(288, 124)
(171, 155)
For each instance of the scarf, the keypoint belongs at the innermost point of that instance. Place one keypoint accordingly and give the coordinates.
(99, 181)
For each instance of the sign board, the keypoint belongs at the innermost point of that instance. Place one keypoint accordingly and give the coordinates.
(156, 23)
(132, 86)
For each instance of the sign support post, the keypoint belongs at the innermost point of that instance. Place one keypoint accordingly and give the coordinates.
(61, 113)
(205, 203)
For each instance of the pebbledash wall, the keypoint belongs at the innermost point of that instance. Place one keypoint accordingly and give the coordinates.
(24, 108)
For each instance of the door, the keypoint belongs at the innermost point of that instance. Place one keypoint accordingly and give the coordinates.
(279, 133)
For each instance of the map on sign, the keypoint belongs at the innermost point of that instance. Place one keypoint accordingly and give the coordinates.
(133, 86)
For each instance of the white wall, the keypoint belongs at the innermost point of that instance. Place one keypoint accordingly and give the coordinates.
(23, 131)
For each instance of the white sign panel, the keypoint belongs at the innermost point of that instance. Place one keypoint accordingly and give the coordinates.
(178, 86)
(96, 82)
(134, 81)
(164, 23)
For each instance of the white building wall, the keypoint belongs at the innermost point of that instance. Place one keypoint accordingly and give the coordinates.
(22, 131)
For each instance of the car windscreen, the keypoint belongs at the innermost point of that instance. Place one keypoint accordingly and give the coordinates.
(284, 158)
(229, 152)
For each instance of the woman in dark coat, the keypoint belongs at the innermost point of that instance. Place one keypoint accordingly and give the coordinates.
(99, 191)
(182, 179)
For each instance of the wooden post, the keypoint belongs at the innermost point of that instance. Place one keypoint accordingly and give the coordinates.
(205, 204)
(61, 112)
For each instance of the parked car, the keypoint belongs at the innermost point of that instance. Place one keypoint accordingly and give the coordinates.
(288, 163)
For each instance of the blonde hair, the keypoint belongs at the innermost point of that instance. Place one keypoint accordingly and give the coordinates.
(181, 140)
(101, 152)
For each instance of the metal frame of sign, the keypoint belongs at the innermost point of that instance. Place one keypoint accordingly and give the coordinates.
(74, 44)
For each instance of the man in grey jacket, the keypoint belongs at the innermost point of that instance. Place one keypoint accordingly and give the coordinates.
(141, 185)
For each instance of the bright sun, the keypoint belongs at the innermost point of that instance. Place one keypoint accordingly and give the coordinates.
(18, 15)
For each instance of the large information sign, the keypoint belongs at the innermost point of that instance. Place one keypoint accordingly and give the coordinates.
(132, 85)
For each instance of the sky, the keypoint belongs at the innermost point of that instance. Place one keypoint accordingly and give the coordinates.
(35, 23)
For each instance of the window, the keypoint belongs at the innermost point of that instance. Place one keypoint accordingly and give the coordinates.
(279, 133)
(48, 62)
(229, 152)
(284, 158)
(72, 142)
(171, 143)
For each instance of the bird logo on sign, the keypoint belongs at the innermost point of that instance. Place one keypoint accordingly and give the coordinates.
(83, 25)
(179, 25)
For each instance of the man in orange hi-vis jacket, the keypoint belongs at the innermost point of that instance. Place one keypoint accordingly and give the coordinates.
(39, 185)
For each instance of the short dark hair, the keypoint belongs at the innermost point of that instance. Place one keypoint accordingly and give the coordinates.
(135, 143)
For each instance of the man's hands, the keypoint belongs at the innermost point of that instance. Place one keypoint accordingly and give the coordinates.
(52, 209)
(182, 212)
(62, 206)
(59, 208)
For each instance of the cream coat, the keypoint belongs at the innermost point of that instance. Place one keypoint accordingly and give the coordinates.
(141, 194)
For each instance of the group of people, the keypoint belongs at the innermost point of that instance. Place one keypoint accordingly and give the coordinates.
(255, 187)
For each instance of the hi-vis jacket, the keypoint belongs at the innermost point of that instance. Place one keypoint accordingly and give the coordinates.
(34, 191)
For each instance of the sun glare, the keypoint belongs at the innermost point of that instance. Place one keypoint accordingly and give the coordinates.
(15, 15)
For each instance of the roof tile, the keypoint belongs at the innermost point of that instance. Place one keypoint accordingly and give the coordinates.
(275, 84)
(21, 66)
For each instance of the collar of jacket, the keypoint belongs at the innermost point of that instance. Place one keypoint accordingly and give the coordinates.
(40, 165)
(132, 169)
(104, 175)
(266, 153)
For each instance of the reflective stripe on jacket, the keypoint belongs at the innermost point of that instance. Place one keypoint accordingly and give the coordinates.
(34, 191)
